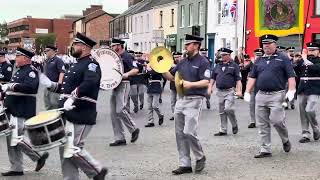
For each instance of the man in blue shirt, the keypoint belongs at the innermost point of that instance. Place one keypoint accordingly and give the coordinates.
(227, 77)
(195, 73)
(269, 75)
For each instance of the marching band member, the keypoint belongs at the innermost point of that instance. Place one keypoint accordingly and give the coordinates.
(195, 72)
(270, 73)
(6, 68)
(54, 70)
(81, 82)
(309, 92)
(227, 77)
(119, 98)
(20, 102)
(177, 57)
(142, 81)
(154, 91)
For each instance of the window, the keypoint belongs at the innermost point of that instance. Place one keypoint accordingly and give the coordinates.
(201, 13)
(190, 14)
(224, 42)
(182, 16)
(127, 24)
(148, 19)
(317, 8)
(161, 18)
(219, 11)
(316, 37)
(130, 25)
(136, 24)
(172, 17)
(181, 44)
(141, 25)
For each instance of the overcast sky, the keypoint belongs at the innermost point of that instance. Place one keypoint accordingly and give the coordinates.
(14, 9)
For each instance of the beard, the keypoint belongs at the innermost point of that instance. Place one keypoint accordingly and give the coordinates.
(77, 53)
(190, 53)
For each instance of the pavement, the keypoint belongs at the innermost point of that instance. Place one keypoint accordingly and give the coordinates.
(154, 155)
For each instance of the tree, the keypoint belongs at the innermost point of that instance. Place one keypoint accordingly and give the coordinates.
(4, 31)
(41, 41)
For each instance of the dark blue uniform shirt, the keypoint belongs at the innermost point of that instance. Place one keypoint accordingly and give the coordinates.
(154, 84)
(193, 69)
(84, 76)
(5, 71)
(226, 75)
(309, 87)
(25, 81)
(272, 72)
(127, 60)
(139, 78)
(53, 67)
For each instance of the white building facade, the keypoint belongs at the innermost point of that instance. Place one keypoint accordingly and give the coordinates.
(225, 25)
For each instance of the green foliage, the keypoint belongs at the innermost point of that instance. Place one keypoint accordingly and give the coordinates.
(41, 41)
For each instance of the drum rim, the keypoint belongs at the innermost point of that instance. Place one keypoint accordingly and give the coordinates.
(48, 121)
(51, 145)
(35, 126)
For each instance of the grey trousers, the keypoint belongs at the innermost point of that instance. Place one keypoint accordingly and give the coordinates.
(187, 112)
(153, 105)
(51, 99)
(83, 160)
(269, 110)
(226, 109)
(307, 109)
(15, 152)
(119, 113)
(252, 107)
(173, 99)
(136, 95)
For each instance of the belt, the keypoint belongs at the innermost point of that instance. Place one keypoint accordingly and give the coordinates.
(271, 92)
(229, 89)
(193, 97)
(125, 81)
(153, 81)
(310, 78)
(84, 98)
(20, 94)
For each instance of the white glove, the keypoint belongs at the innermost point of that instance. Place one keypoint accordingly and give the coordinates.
(290, 94)
(68, 105)
(44, 80)
(247, 97)
(74, 93)
(6, 87)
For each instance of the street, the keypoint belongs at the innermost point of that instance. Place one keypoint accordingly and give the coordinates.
(154, 155)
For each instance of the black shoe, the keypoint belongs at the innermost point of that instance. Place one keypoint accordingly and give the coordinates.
(304, 140)
(235, 130)
(316, 136)
(161, 120)
(149, 125)
(135, 110)
(220, 134)
(171, 119)
(208, 105)
(286, 108)
(141, 106)
(101, 175)
(13, 173)
(263, 155)
(182, 170)
(287, 146)
(118, 143)
(42, 161)
(135, 135)
(200, 164)
(252, 125)
(292, 106)
(160, 100)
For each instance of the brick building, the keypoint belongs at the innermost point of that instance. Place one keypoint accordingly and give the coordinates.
(23, 31)
(94, 24)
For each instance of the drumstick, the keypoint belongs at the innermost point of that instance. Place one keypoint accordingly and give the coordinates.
(117, 71)
(59, 109)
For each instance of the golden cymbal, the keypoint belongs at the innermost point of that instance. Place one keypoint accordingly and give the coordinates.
(161, 59)
(178, 81)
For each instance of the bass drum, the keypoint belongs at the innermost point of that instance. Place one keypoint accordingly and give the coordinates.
(111, 67)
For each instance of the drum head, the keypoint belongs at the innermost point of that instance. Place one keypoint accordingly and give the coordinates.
(111, 67)
(43, 117)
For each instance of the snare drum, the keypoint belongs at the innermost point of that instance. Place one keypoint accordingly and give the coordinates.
(4, 123)
(46, 130)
